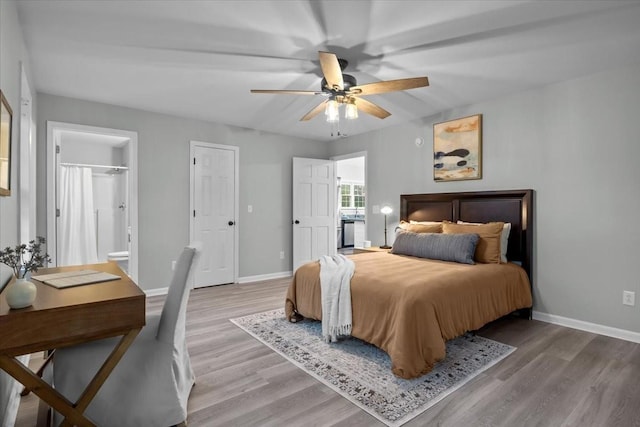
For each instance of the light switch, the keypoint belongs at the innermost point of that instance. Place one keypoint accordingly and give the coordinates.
(375, 209)
(250, 208)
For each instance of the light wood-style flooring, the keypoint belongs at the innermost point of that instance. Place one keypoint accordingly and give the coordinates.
(557, 377)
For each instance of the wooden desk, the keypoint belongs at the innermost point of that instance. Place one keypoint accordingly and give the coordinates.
(64, 317)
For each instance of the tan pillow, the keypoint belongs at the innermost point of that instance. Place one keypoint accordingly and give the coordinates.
(488, 248)
(504, 239)
(421, 228)
(425, 222)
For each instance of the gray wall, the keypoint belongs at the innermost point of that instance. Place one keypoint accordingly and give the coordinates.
(163, 173)
(95, 153)
(13, 54)
(576, 144)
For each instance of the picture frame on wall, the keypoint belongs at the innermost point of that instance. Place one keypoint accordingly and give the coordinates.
(457, 149)
(6, 116)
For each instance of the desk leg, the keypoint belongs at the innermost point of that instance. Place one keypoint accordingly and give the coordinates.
(43, 390)
(73, 413)
(39, 372)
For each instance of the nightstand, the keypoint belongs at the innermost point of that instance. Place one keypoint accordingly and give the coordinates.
(369, 249)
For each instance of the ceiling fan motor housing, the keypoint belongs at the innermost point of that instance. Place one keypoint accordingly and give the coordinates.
(348, 82)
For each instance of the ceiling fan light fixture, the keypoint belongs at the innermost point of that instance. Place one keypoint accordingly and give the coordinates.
(332, 111)
(350, 109)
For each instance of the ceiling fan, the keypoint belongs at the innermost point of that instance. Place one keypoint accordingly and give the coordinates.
(341, 89)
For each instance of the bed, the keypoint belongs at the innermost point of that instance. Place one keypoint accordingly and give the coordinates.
(409, 306)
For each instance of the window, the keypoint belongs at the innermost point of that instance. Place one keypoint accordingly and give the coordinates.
(352, 195)
(345, 195)
(358, 196)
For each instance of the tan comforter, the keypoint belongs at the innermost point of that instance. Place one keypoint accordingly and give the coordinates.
(410, 306)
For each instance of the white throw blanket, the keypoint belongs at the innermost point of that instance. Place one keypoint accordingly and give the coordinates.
(335, 284)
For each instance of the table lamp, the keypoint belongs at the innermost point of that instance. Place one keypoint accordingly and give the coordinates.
(386, 210)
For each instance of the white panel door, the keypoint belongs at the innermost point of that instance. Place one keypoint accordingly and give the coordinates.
(314, 196)
(214, 187)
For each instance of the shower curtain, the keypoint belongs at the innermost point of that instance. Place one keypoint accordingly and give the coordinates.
(76, 226)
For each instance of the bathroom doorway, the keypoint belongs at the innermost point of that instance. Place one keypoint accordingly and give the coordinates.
(92, 196)
(352, 201)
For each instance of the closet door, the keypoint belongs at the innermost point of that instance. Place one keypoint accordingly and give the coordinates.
(213, 216)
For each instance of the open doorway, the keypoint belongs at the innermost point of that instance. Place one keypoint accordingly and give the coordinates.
(92, 209)
(351, 201)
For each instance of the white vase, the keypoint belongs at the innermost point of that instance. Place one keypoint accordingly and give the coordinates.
(21, 293)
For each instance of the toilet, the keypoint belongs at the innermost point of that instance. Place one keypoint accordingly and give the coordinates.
(122, 258)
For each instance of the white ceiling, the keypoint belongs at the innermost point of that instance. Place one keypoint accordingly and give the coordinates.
(199, 59)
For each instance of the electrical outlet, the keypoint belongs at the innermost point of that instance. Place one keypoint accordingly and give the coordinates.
(628, 298)
(281, 254)
(173, 265)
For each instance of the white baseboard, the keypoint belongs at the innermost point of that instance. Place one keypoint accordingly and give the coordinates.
(246, 279)
(155, 292)
(622, 334)
(262, 277)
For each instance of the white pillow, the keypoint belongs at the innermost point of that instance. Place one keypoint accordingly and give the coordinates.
(425, 222)
(504, 238)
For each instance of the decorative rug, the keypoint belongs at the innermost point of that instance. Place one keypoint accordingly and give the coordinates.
(361, 372)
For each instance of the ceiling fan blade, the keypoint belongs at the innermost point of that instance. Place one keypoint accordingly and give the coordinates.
(389, 86)
(371, 108)
(286, 92)
(314, 112)
(331, 70)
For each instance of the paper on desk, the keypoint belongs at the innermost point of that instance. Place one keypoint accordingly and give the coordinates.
(75, 278)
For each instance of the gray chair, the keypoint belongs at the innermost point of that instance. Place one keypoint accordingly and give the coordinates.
(151, 384)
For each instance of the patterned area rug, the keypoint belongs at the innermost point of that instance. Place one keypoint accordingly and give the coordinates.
(362, 373)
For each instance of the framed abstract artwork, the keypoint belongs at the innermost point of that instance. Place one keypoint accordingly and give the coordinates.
(5, 146)
(457, 149)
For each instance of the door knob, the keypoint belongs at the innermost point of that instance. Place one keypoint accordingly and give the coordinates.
(231, 222)
(296, 222)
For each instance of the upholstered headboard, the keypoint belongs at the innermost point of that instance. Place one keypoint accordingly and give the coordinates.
(514, 206)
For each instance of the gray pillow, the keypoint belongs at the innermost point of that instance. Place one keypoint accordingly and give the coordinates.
(444, 247)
